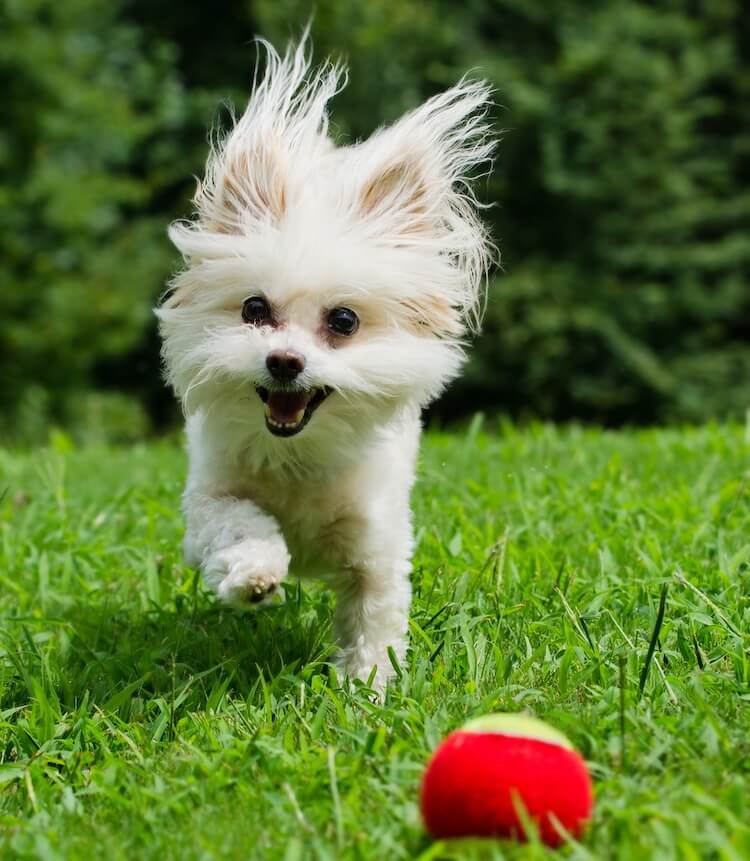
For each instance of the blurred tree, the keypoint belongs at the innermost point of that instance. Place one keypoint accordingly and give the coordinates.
(87, 113)
(625, 211)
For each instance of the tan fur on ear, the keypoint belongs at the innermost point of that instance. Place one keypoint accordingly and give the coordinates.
(401, 191)
(251, 186)
(399, 181)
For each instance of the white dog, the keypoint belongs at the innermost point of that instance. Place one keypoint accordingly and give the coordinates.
(323, 302)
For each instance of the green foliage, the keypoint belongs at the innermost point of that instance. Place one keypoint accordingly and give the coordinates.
(140, 720)
(625, 213)
(88, 108)
(621, 190)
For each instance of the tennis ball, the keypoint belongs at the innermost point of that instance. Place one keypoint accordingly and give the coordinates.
(483, 776)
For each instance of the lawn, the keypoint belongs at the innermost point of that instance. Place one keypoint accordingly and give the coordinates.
(140, 720)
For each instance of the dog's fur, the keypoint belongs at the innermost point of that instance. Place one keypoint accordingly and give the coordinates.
(387, 228)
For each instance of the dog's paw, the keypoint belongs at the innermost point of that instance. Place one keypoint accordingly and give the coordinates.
(358, 662)
(247, 573)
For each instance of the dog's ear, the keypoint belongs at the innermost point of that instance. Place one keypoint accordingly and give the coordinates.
(418, 171)
(397, 189)
(414, 191)
(244, 185)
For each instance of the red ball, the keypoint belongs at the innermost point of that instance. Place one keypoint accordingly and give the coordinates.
(478, 776)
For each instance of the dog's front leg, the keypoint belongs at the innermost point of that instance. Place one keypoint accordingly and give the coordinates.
(372, 615)
(239, 548)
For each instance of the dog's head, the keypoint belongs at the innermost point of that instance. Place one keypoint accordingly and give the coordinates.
(327, 286)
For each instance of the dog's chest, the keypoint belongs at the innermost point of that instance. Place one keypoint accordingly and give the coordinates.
(317, 518)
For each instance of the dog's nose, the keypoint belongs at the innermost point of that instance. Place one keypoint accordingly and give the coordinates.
(285, 365)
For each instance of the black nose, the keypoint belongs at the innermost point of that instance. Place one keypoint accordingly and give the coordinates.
(285, 364)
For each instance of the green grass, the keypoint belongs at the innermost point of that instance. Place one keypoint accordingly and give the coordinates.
(140, 720)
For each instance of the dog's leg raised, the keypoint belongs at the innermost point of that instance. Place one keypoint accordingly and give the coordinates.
(239, 548)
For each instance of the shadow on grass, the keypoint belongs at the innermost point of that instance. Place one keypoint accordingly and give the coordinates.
(112, 656)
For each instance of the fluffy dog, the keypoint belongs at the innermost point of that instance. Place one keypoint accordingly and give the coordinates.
(323, 302)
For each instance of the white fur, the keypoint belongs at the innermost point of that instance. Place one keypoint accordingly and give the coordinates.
(386, 227)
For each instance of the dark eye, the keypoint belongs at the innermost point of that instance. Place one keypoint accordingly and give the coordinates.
(342, 321)
(256, 311)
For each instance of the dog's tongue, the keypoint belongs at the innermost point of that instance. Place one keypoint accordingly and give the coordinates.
(287, 407)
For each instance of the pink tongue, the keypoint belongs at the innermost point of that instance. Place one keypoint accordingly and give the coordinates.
(284, 406)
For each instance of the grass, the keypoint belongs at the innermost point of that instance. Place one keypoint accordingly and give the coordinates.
(597, 580)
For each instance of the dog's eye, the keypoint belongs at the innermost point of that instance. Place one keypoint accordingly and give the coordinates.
(256, 311)
(342, 321)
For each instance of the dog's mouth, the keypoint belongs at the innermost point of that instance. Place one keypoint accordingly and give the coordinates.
(288, 411)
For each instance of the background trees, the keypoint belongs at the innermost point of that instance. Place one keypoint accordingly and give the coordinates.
(622, 201)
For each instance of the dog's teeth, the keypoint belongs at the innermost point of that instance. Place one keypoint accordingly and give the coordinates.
(272, 421)
(292, 425)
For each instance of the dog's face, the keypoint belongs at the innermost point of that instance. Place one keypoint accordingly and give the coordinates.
(326, 286)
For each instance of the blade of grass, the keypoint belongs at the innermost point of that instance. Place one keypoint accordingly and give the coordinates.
(654, 637)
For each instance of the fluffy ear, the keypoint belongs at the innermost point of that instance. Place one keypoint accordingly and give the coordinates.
(399, 189)
(416, 190)
(429, 155)
(244, 184)
(285, 123)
